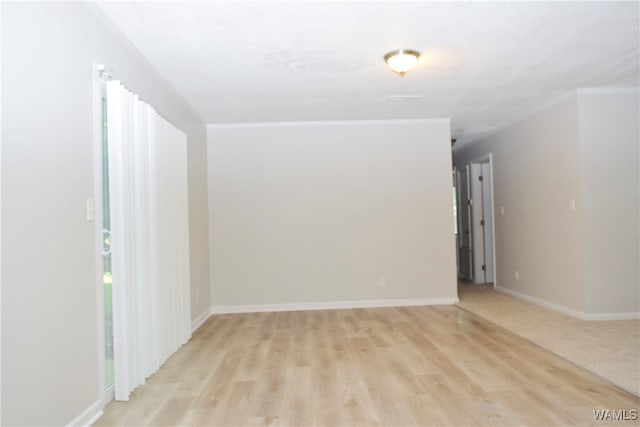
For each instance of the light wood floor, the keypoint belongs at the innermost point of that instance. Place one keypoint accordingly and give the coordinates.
(366, 367)
(608, 348)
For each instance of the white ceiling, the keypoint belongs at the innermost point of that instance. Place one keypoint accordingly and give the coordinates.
(484, 64)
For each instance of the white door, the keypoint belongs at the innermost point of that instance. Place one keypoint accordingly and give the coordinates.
(477, 222)
(487, 209)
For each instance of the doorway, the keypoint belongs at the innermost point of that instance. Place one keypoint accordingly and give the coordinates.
(100, 214)
(476, 250)
(463, 213)
(105, 237)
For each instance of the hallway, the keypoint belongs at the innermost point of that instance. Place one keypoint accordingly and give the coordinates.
(610, 349)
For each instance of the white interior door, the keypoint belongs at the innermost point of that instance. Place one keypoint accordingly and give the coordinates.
(465, 258)
(477, 222)
(487, 209)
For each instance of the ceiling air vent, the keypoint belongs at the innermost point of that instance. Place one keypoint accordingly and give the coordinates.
(404, 98)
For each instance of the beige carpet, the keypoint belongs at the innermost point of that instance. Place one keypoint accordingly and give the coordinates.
(608, 348)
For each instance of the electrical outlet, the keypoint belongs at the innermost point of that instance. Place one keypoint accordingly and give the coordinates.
(382, 282)
(517, 275)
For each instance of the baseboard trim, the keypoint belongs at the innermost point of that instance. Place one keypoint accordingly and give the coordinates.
(544, 303)
(612, 316)
(332, 305)
(89, 415)
(200, 319)
(566, 310)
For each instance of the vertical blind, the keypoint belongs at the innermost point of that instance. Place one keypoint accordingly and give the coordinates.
(149, 238)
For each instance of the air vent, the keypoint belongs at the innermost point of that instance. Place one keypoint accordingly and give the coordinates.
(404, 98)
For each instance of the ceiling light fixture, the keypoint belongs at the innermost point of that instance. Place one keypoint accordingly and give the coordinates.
(401, 60)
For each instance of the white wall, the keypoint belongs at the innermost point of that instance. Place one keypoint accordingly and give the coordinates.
(50, 360)
(198, 221)
(536, 173)
(315, 213)
(584, 148)
(609, 134)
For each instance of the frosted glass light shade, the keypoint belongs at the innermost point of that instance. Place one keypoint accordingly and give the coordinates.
(401, 60)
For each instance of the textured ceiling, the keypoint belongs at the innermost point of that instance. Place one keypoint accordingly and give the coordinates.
(484, 64)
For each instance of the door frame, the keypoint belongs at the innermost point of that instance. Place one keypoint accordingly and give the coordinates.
(99, 91)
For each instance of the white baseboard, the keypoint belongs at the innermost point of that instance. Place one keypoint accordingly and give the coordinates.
(332, 305)
(89, 415)
(611, 316)
(566, 310)
(544, 303)
(201, 319)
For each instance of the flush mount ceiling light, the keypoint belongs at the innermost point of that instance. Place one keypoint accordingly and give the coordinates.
(401, 60)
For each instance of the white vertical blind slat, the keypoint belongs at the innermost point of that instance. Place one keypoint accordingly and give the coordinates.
(149, 221)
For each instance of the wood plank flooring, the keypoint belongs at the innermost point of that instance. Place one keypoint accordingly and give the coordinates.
(409, 366)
